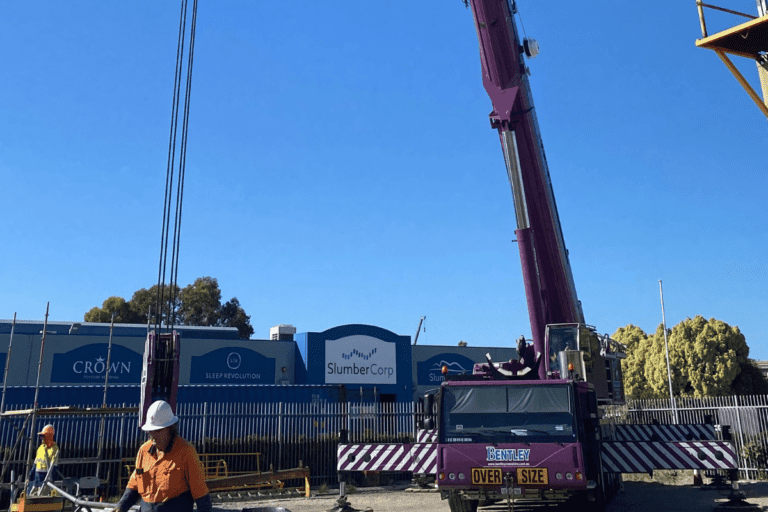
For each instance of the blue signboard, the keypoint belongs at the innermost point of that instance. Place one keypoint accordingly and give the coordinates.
(88, 364)
(429, 372)
(232, 365)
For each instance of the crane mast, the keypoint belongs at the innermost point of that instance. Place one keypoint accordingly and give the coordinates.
(549, 286)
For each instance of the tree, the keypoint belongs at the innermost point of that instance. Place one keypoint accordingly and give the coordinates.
(116, 305)
(750, 381)
(708, 355)
(706, 358)
(232, 315)
(633, 367)
(200, 302)
(196, 304)
(655, 365)
(144, 303)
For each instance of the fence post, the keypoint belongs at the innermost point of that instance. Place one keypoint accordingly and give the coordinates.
(345, 418)
(205, 426)
(740, 439)
(120, 448)
(280, 436)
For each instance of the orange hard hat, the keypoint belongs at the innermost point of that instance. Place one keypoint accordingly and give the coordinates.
(47, 430)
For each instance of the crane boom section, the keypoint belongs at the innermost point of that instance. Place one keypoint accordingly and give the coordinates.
(549, 285)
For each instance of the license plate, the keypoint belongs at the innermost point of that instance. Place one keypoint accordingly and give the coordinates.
(486, 476)
(532, 476)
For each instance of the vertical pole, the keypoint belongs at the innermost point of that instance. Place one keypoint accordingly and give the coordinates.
(701, 19)
(7, 361)
(740, 436)
(279, 436)
(32, 432)
(121, 444)
(205, 424)
(345, 417)
(666, 348)
(104, 400)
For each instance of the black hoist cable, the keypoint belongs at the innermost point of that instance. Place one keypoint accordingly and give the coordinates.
(165, 310)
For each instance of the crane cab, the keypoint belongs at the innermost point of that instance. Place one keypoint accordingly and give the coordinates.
(576, 351)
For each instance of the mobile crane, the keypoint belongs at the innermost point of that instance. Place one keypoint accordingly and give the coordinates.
(530, 429)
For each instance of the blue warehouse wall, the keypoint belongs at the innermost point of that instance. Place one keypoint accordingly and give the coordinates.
(371, 362)
(215, 364)
(428, 361)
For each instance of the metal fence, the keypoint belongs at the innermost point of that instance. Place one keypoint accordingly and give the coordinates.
(247, 437)
(746, 417)
(236, 437)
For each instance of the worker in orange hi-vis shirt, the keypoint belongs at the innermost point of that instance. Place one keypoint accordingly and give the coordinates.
(168, 475)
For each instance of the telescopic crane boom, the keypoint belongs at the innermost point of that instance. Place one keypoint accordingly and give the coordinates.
(549, 286)
(554, 310)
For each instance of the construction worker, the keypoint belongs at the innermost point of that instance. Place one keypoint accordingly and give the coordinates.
(168, 475)
(45, 460)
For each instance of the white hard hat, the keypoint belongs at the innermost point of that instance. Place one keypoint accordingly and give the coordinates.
(159, 415)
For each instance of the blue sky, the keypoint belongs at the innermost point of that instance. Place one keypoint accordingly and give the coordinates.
(341, 168)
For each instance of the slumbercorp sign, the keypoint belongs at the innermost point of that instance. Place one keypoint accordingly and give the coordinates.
(360, 359)
(88, 365)
(430, 372)
(232, 365)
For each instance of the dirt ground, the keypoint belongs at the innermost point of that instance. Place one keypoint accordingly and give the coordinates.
(636, 497)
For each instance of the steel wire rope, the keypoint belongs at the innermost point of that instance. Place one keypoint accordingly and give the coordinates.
(169, 170)
(182, 169)
(159, 306)
(160, 311)
(520, 15)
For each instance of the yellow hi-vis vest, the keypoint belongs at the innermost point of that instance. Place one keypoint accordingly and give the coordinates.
(46, 457)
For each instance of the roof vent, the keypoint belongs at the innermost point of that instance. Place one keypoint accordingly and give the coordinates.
(282, 332)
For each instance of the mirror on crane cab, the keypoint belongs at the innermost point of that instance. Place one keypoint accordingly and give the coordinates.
(428, 421)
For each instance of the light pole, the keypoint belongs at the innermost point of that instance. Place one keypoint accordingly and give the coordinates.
(666, 348)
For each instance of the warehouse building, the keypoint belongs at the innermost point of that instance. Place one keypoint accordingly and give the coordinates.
(353, 362)
(215, 365)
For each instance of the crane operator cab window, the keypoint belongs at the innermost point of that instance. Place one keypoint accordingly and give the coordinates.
(580, 337)
(558, 338)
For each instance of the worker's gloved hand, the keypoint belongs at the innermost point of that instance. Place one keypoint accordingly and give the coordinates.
(203, 503)
(129, 499)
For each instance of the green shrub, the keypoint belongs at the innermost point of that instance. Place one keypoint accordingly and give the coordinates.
(756, 450)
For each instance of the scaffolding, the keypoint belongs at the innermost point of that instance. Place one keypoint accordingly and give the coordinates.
(748, 39)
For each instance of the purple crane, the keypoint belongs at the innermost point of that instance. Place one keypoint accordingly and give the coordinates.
(549, 286)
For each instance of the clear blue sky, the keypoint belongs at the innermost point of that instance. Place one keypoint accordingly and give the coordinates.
(341, 168)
